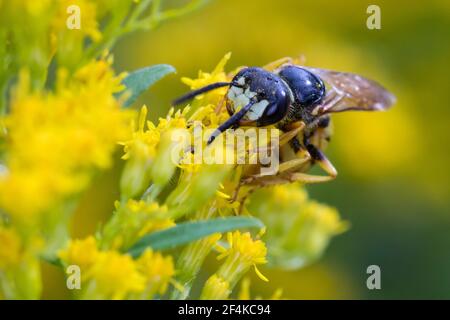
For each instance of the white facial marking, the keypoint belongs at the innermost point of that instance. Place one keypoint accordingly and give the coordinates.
(241, 98)
(249, 93)
(238, 97)
(234, 92)
(256, 110)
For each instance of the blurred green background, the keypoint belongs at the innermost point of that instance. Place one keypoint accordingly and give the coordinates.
(393, 183)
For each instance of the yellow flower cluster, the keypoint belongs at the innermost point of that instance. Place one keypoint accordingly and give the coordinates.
(158, 223)
(56, 140)
(242, 253)
(133, 220)
(242, 248)
(298, 229)
(37, 32)
(82, 253)
(244, 291)
(158, 271)
(59, 127)
(57, 13)
(10, 247)
(140, 152)
(19, 270)
(215, 288)
(89, 13)
(206, 78)
(111, 275)
(147, 136)
(149, 156)
(318, 223)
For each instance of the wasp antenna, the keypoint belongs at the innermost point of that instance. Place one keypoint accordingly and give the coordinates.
(234, 119)
(190, 95)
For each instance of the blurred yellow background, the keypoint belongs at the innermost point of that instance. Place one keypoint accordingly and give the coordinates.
(393, 175)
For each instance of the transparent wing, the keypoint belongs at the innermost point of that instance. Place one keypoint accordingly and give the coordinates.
(350, 91)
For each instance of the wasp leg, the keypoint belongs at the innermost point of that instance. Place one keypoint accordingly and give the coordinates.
(290, 177)
(266, 181)
(287, 173)
(286, 60)
(291, 165)
(219, 107)
(294, 129)
(322, 160)
(332, 99)
(286, 137)
(277, 63)
(318, 157)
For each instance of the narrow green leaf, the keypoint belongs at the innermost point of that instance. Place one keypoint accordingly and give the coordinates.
(190, 231)
(54, 260)
(140, 80)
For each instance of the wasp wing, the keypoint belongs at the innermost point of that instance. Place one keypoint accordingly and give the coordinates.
(352, 92)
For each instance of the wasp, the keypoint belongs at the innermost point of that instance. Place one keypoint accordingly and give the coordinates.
(298, 100)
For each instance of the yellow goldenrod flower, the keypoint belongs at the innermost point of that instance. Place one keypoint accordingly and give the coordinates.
(56, 140)
(89, 25)
(32, 7)
(207, 116)
(244, 291)
(133, 220)
(284, 195)
(73, 23)
(216, 288)
(113, 276)
(298, 229)
(149, 152)
(242, 244)
(158, 271)
(316, 224)
(82, 253)
(145, 277)
(99, 74)
(243, 252)
(196, 188)
(146, 136)
(10, 247)
(27, 25)
(173, 120)
(139, 153)
(205, 78)
(190, 262)
(143, 141)
(19, 267)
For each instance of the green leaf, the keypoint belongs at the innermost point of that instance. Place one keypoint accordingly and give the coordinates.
(140, 80)
(52, 259)
(190, 231)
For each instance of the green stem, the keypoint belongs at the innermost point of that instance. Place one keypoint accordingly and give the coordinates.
(3, 87)
(192, 258)
(189, 264)
(156, 16)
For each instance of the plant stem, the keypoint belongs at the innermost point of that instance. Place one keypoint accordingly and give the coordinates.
(193, 256)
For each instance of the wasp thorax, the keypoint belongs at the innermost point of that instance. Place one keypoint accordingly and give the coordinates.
(308, 89)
